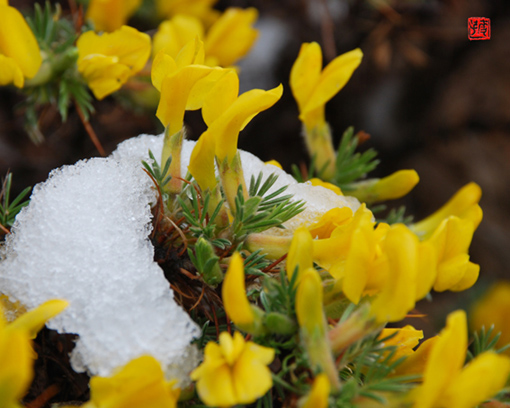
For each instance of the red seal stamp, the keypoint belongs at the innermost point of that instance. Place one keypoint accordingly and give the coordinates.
(479, 28)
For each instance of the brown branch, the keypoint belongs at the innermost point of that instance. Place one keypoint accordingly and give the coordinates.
(90, 131)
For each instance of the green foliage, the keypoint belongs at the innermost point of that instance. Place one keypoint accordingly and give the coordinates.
(261, 212)
(350, 165)
(157, 173)
(201, 223)
(9, 210)
(368, 364)
(485, 340)
(57, 82)
(397, 216)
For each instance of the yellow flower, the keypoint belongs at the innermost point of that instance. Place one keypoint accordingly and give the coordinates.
(110, 15)
(236, 113)
(231, 36)
(312, 86)
(319, 394)
(464, 204)
(394, 186)
(446, 383)
(227, 40)
(451, 241)
(312, 321)
(233, 372)
(16, 354)
(20, 56)
(237, 306)
(330, 221)
(493, 309)
(175, 78)
(139, 384)
(388, 263)
(226, 114)
(107, 61)
(174, 34)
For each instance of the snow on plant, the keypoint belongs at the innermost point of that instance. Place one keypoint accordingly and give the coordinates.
(197, 274)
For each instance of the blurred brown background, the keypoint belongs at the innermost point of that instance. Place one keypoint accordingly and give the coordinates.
(431, 100)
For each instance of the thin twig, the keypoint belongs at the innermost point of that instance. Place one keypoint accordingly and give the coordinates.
(90, 131)
(44, 397)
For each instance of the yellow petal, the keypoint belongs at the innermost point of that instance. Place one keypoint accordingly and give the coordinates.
(227, 127)
(233, 293)
(10, 72)
(460, 205)
(174, 95)
(201, 162)
(391, 187)
(191, 53)
(405, 339)
(221, 96)
(140, 383)
(445, 361)
(34, 320)
(481, 379)
(18, 42)
(333, 78)
(330, 221)
(274, 163)
(305, 73)
(174, 34)
(109, 15)
(319, 394)
(252, 377)
(163, 65)
(201, 91)
(309, 309)
(216, 388)
(232, 35)
(415, 362)
(131, 46)
(397, 296)
(107, 61)
(318, 182)
(427, 269)
(492, 309)
(299, 257)
(451, 242)
(16, 371)
(468, 279)
(359, 260)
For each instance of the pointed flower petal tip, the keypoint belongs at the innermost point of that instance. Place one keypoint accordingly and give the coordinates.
(319, 394)
(233, 293)
(233, 372)
(464, 204)
(20, 56)
(107, 61)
